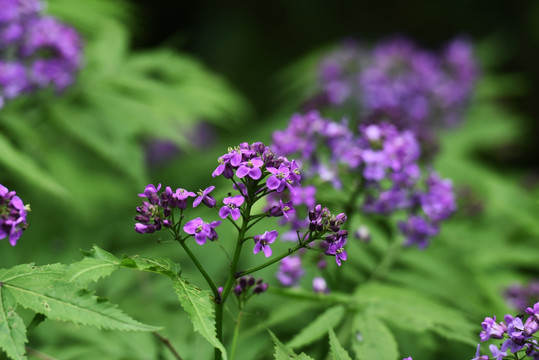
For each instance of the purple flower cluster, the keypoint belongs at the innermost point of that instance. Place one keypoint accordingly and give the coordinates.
(517, 332)
(35, 51)
(256, 162)
(521, 296)
(12, 215)
(396, 81)
(386, 160)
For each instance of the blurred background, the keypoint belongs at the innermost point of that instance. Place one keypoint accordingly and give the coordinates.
(249, 42)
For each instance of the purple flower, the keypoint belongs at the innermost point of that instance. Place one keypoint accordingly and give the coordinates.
(277, 181)
(262, 242)
(150, 192)
(204, 197)
(417, 231)
(320, 286)
(439, 202)
(12, 215)
(533, 311)
(231, 207)
(478, 355)
(290, 271)
(491, 329)
(199, 229)
(498, 355)
(250, 167)
(181, 196)
(281, 209)
(13, 80)
(61, 42)
(213, 234)
(337, 248)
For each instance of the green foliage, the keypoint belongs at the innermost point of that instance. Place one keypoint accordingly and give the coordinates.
(337, 351)
(319, 327)
(283, 352)
(197, 304)
(373, 339)
(47, 290)
(12, 330)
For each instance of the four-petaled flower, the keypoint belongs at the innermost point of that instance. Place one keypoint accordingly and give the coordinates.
(251, 168)
(199, 229)
(262, 242)
(231, 207)
(278, 180)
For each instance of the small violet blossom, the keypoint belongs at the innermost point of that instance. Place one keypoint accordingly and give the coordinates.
(320, 286)
(290, 271)
(231, 207)
(262, 242)
(201, 230)
(12, 215)
(251, 168)
(205, 197)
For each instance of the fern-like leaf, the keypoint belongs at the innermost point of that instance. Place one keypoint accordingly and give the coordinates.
(283, 352)
(198, 306)
(12, 330)
(336, 350)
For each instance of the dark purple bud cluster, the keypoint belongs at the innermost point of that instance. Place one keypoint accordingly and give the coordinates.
(518, 332)
(156, 211)
(246, 286)
(12, 215)
(35, 51)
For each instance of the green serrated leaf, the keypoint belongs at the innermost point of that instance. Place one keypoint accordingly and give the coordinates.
(63, 302)
(371, 339)
(285, 353)
(198, 306)
(319, 327)
(30, 275)
(161, 266)
(337, 352)
(97, 264)
(12, 329)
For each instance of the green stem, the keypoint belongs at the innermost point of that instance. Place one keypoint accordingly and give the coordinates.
(199, 267)
(272, 261)
(231, 277)
(236, 335)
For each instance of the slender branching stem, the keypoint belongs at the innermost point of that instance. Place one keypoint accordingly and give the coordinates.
(200, 268)
(167, 343)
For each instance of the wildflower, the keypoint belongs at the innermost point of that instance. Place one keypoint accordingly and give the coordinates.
(290, 271)
(320, 286)
(13, 214)
(231, 207)
(181, 196)
(200, 230)
(250, 167)
(262, 242)
(491, 329)
(205, 197)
